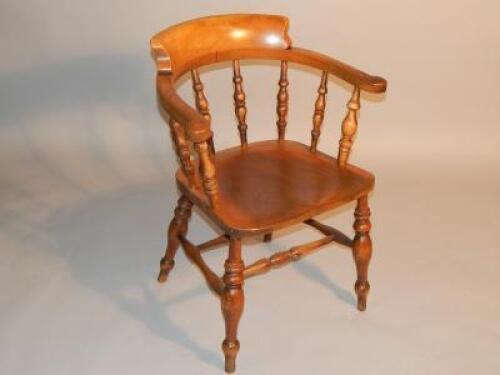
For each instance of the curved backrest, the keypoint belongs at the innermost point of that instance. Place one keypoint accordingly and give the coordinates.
(198, 42)
(186, 46)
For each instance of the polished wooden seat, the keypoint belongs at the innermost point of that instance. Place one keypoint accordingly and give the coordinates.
(257, 188)
(271, 184)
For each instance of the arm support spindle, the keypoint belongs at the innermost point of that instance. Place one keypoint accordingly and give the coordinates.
(349, 127)
(182, 149)
(201, 102)
(207, 171)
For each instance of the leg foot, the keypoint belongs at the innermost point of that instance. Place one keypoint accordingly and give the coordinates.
(362, 290)
(165, 268)
(178, 226)
(362, 250)
(230, 351)
(232, 302)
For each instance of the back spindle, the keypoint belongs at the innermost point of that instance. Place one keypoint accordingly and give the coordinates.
(349, 127)
(319, 111)
(282, 100)
(201, 101)
(240, 108)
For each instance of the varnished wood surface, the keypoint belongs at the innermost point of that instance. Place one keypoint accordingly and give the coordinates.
(178, 227)
(257, 188)
(244, 36)
(182, 148)
(349, 127)
(282, 101)
(289, 183)
(240, 109)
(207, 172)
(319, 111)
(232, 302)
(209, 36)
(362, 250)
(197, 127)
(283, 258)
(234, 37)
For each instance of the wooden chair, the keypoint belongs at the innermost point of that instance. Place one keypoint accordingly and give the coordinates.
(256, 188)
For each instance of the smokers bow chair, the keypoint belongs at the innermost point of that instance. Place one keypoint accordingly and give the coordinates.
(259, 187)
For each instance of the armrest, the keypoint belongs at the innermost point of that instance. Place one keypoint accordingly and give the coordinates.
(313, 59)
(197, 130)
(346, 72)
(197, 127)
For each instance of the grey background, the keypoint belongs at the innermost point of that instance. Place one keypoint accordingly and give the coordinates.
(86, 191)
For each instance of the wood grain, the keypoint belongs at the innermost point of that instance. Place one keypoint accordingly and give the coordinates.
(290, 183)
(244, 36)
(257, 188)
(198, 42)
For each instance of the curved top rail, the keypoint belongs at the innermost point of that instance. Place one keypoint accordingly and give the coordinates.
(313, 59)
(199, 41)
(212, 39)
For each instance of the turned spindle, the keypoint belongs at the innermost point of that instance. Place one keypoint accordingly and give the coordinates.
(199, 95)
(207, 171)
(240, 108)
(282, 101)
(362, 250)
(182, 149)
(283, 258)
(201, 102)
(178, 227)
(349, 127)
(319, 111)
(232, 302)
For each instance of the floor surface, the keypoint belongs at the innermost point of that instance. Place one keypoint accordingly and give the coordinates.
(80, 249)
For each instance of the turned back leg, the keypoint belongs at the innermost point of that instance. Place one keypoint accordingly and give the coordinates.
(232, 302)
(268, 237)
(362, 250)
(178, 226)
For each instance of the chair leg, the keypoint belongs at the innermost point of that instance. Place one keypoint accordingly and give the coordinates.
(362, 250)
(232, 302)
(178, 226)
(268, 237)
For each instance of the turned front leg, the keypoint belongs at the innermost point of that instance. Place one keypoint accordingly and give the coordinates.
(232, 302)
(362, 250)
(178, 226)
